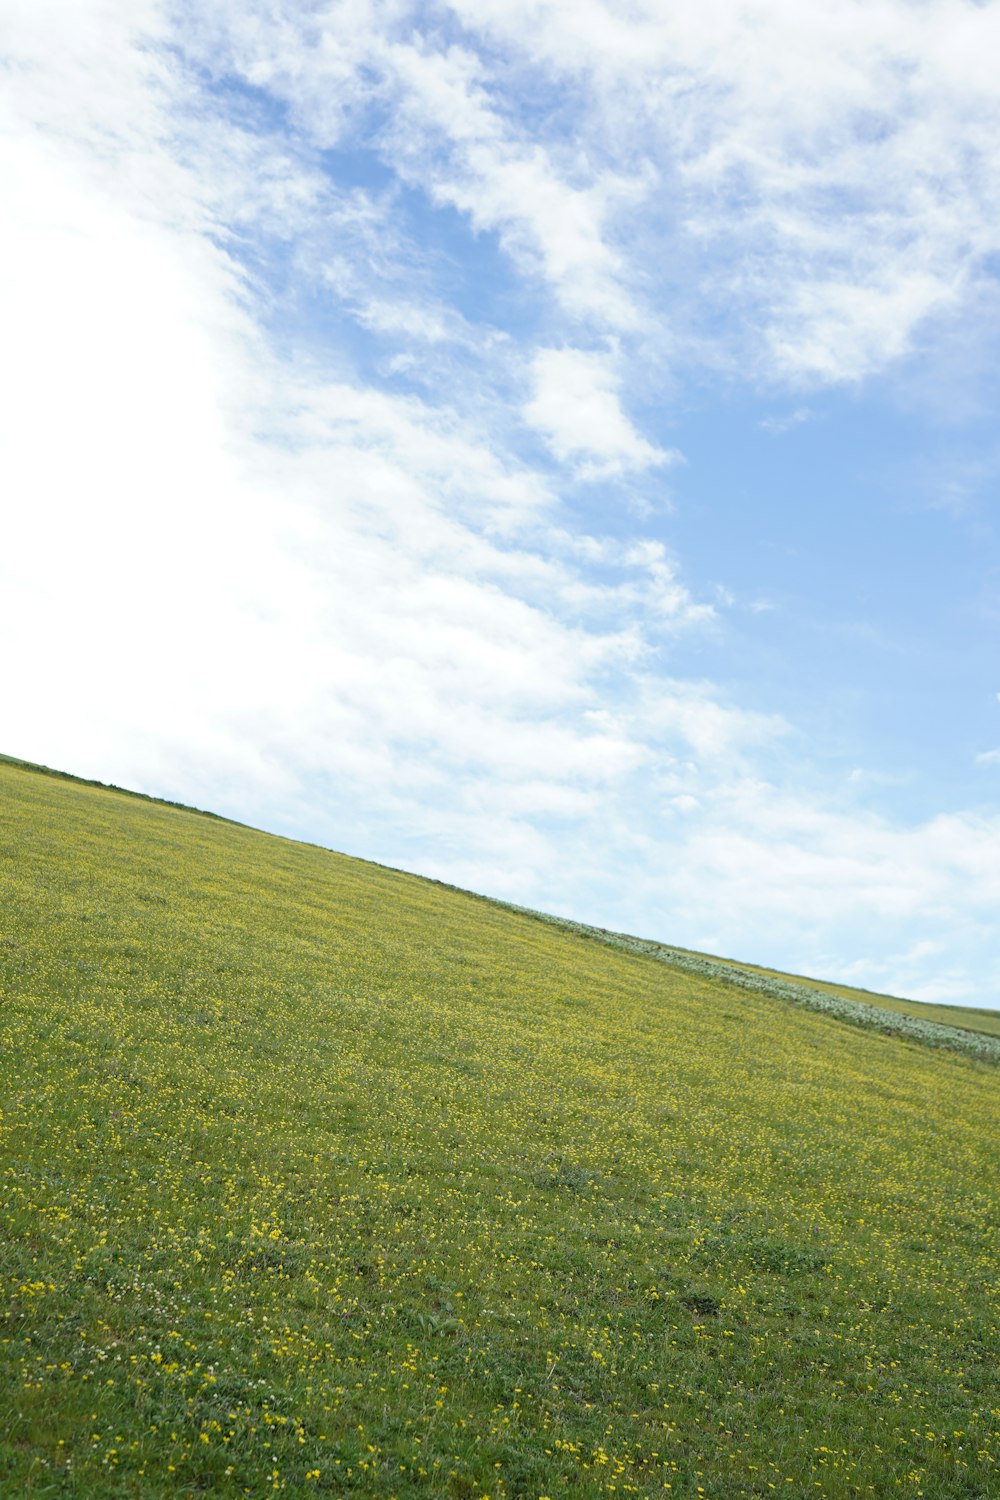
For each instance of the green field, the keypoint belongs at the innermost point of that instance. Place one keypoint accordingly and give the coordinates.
(322, 1179)
(964, 1028)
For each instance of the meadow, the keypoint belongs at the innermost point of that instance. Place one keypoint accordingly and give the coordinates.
(964, 1017)
(321, 1179)
(964, 1028)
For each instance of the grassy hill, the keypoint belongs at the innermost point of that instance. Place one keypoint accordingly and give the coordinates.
(318, 1178)
(961, 1027)
(966, 1017)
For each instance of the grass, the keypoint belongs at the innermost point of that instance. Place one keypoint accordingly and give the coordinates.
(977, 1032)
(320, 1179)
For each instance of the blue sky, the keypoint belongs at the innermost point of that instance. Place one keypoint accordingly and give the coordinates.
(548, 446)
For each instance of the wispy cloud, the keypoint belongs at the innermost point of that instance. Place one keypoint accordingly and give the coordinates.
(832, 174)
(778, 426)
(576, 407)
(275, 573)
(827, 177)
(449, 137)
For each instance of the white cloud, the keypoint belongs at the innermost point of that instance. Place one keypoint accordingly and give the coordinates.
(443, 127)
(797, 883)
(828, 175)
(778, 426)
(502, 182)
(576, 407)
(232, 576)
(823, 179)
(988, 758)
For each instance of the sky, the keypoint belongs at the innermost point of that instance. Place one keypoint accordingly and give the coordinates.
(548, 445)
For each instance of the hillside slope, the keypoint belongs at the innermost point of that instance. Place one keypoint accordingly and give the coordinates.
(320, 1178)
(963, 1028)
